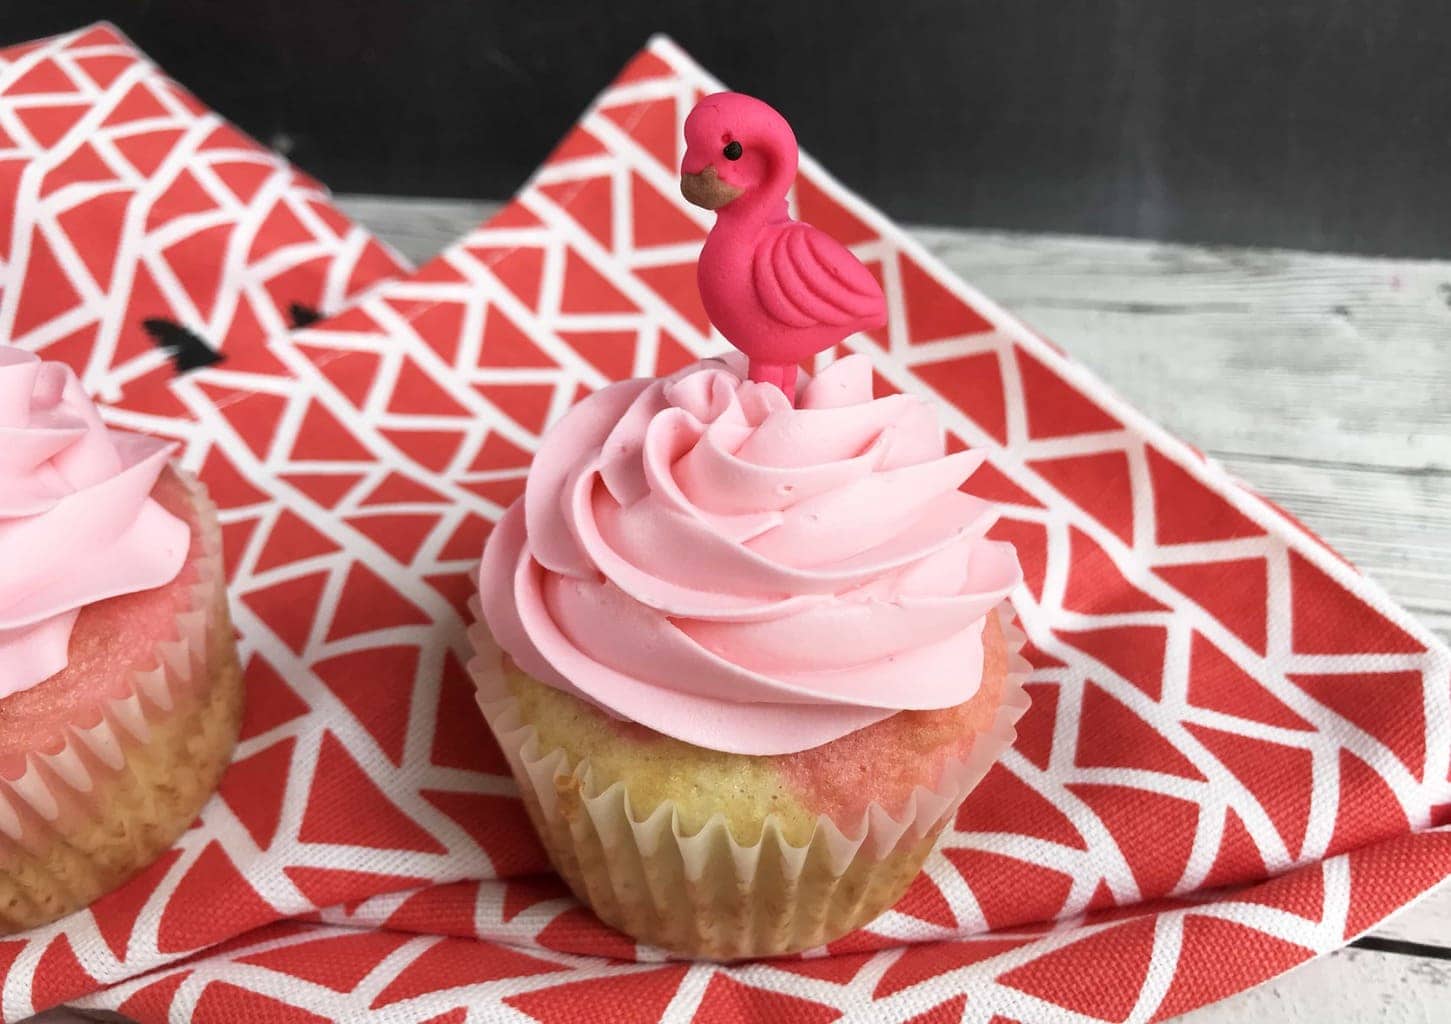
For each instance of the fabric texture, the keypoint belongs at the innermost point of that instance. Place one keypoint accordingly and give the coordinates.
(136, 224)
(1236, 758)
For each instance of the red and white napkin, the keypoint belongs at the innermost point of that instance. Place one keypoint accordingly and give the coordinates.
(130, 213)
(1236, 758)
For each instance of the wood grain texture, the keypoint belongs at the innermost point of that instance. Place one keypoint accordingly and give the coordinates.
(418, 228)
(1351, 985)
(1324, 382)
(1427, 923)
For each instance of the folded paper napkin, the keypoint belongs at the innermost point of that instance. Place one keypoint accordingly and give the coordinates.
(136, 224)
(1235, 759)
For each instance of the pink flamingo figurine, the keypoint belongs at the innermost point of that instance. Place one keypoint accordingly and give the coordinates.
(778, 289)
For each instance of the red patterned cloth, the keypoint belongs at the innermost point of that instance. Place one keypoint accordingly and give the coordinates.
(130, 213)
(1236, 757)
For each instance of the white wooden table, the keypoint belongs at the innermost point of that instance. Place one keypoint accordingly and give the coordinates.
(1322, 381)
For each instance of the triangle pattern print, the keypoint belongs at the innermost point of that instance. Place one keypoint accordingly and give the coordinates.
(1194, 775)
(140, 234)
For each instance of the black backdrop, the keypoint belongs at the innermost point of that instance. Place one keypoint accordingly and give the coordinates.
(1321, 124)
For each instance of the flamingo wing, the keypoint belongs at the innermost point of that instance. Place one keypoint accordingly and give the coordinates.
(806, 278)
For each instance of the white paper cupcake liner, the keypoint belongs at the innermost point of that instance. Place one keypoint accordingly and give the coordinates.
(96, 802)
(706, 894)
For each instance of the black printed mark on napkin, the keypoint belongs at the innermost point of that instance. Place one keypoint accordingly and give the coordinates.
(303, 316)
(186, 348)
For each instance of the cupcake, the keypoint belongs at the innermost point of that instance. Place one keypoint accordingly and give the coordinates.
(746, 657)
(743, 639)
(120, 692)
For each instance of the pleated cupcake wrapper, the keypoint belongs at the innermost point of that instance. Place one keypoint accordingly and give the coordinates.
(74, 762)
(652, 858)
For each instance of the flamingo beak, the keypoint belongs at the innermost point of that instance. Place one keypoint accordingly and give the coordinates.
(707, 189)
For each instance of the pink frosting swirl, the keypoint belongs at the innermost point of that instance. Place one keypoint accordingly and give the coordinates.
(77, 523)
(696, 555)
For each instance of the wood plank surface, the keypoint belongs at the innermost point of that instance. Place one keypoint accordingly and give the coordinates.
(1322, 381)
(1350, 986)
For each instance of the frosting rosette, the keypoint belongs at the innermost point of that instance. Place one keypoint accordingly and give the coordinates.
(697, 555)
(77, 523)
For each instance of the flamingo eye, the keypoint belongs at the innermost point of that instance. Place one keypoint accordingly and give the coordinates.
(732, 151)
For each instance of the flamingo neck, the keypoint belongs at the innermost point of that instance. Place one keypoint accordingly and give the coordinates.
(766, 203)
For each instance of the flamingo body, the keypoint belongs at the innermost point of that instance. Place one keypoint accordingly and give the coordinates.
(779, 290)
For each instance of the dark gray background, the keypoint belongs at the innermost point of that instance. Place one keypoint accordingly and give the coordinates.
(1321, 124)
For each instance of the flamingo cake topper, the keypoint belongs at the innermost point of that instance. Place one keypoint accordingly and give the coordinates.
(778, 289)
